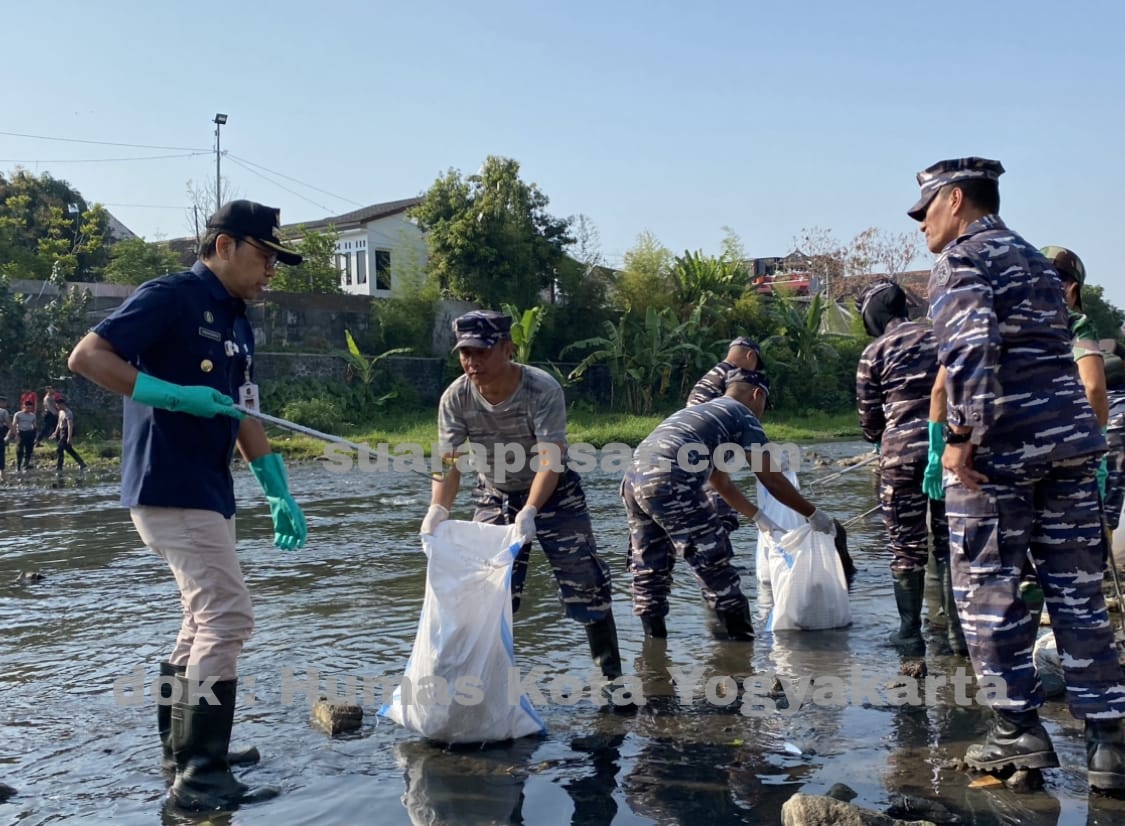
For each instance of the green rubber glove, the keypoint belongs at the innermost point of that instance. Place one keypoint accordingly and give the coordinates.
(194, 400)
(289, 527)
(931, 481)
(1102, 476)
(879, 448)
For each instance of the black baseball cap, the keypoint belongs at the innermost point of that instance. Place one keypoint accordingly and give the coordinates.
(246, 219)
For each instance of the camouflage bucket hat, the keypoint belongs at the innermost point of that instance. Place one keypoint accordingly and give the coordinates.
(1066, 263)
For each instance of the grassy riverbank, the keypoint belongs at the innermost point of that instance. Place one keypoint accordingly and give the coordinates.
(420, 428)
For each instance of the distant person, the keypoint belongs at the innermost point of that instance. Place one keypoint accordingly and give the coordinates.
(498, 402)
(1021, 451)
(25, 423)
(179, 349)
(743, 353)
(893, 382)
(670, 516)
(64, 432)
(5, 433)
(50, 414)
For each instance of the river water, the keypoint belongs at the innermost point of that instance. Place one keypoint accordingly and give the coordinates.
(348, 604)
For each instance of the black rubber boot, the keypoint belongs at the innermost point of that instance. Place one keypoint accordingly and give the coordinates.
(1016, 740)
(654, 626)
(909, 587)
(200, 742)
(949, 607)
(1105, 755)
(603, 647)
(238, 757)
(736, 625)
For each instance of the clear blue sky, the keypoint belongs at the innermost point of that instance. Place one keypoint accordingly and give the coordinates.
(674, 117)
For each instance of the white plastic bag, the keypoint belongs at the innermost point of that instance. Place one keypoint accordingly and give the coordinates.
(809, 589)
(458, 671)
(785, 518)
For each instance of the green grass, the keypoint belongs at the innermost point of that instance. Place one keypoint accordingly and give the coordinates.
(595, 428)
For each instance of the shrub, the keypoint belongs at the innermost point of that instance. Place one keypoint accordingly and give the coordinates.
(320, 414)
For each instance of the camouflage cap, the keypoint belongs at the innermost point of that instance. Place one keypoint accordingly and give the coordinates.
(1066, 263)
(943, 173)
(750, 344)
(482, 328)
(754, 377)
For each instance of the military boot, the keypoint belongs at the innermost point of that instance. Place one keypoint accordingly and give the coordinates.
(654, 626)
(736, 625)
(1017, 740)
(949, 606)
(909, 587)
(238, 757)
(602, 636)
(1105, 755)
(200, 742)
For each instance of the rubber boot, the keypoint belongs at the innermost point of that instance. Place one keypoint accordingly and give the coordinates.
(603, 647)
(238, 757)
(949, 607)
(654, 626)
(909, 587)
(1016, 740)
(1105, 755)
(736, 625)
(200, 742)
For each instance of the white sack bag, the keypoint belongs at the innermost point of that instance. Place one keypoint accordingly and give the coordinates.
(784, 517)
(810, 592)
(458, 671)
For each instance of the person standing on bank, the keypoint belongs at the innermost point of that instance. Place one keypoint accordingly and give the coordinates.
(498, 402)
(893, 382)
(1022, 447)
(179, 349)
(24, 423)
(64, 432)
(50, 414)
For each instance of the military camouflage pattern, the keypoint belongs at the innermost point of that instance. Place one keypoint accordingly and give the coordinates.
(670, 516)
(566, 536)
(933, 178)
(720, 421)
(1001, 326)
(481, 328)
(1084, 337)
(893, 383)
(1115, 436)
(1052, 509)
(904, 513)
(712, 385)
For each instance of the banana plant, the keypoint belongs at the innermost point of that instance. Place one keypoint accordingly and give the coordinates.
(525, 326)
(359, 363)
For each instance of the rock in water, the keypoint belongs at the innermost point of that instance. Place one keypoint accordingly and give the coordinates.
(1049, 664)
(814, 810)
(337, 717)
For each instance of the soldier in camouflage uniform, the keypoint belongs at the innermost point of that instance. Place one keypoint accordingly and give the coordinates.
(497, 404)
(893, 381)
(669, 512)
(1021, 451)
(742, 354)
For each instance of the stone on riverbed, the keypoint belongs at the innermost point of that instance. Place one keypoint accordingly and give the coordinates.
(815, 810)
(6, 791)
(336, 717)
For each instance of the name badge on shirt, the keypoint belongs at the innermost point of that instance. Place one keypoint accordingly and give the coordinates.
(214, 335)
(248, 395)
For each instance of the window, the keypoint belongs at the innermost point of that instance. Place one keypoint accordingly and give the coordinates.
(382, 269)
(361, 267)
(344, 265)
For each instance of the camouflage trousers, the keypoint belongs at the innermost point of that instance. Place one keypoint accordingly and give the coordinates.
(672, 516)
(728, 516)
(1115, 482)
(566, 536)
(904, 513)
(1051, 510)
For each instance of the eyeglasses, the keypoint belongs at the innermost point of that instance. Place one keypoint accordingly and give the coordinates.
(270, 256)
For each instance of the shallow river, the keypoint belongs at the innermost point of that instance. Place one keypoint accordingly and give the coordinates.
(348, 604)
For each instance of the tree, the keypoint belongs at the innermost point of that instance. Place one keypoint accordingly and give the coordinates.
(1106, 318)
(825, 256)
(201, 204)
(644, 282)
(874, 249)
(490, 237)
(317, 271)
(135, 261)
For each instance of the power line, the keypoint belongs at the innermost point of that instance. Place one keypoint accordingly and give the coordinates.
(275, 183)
(101, 160)
(294, 180)
(147, 206)
(106, 143)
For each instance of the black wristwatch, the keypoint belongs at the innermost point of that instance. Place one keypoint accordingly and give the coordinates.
(952, 438)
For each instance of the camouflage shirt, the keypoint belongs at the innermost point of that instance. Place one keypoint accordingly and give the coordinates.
(893, 384)
(712, 385)
(1000, 321)
(1085, 339)
(710, 424)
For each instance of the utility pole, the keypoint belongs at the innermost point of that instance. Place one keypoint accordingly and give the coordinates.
(220, 119)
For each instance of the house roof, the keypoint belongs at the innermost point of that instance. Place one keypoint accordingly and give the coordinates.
(915, 283)
(357, 217)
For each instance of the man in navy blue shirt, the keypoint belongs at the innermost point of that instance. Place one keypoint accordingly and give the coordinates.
(179, 349)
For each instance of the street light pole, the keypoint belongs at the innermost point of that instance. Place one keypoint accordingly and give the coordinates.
(220, 119)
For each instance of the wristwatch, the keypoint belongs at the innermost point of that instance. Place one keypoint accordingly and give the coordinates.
(953, 438)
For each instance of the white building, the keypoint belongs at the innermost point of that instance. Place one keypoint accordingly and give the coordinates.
(378, 249)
